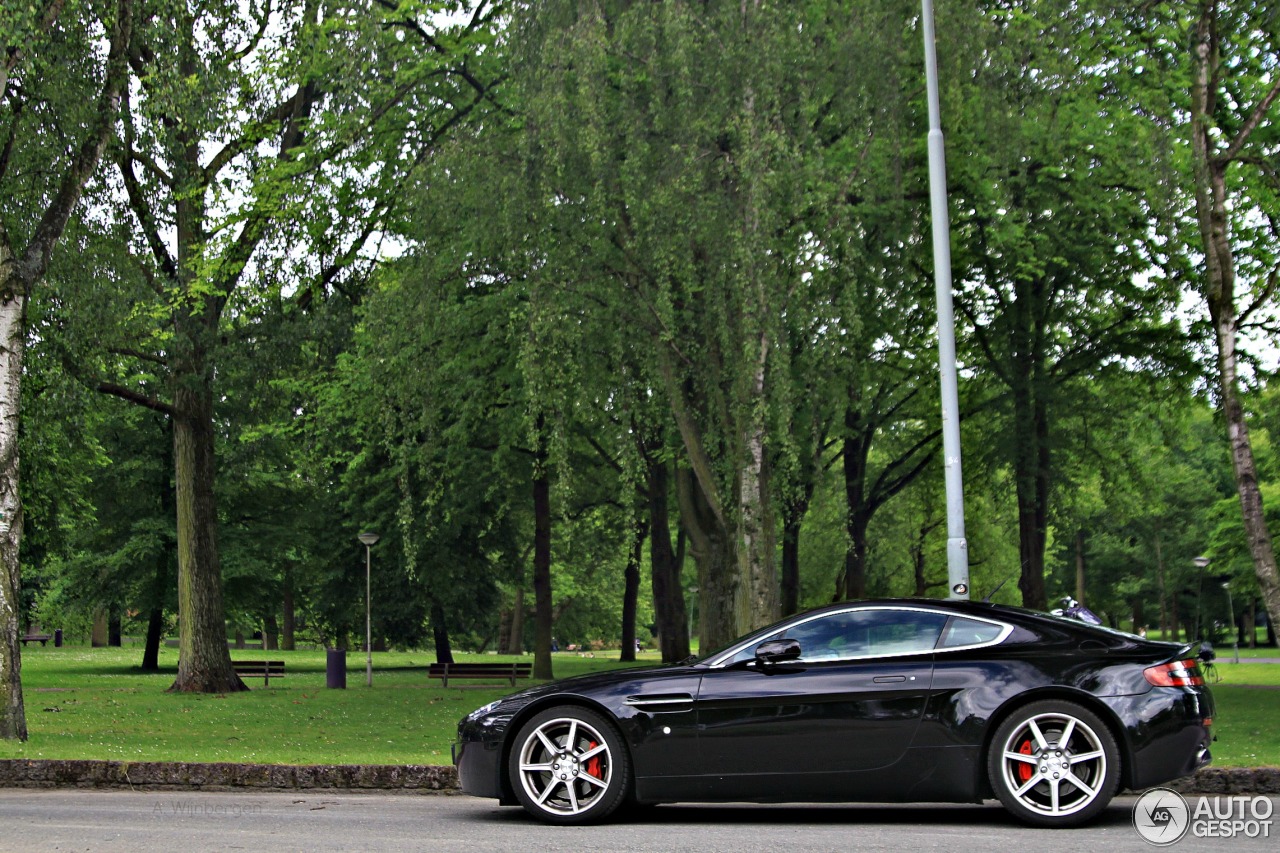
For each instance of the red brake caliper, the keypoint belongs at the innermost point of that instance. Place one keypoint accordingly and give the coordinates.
(593, 763)
(1024, 770)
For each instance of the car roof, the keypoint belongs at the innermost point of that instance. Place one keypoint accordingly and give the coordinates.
(1009, 613)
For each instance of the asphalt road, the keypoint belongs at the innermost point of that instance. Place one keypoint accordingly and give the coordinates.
(63, 819)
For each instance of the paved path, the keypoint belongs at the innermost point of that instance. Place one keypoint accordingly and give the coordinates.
(70, 819)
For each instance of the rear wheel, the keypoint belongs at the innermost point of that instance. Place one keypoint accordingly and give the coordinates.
(569, 765)
(1054, 763)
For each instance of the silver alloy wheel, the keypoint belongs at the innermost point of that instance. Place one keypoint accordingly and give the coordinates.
(1054, 764)
(565, 766)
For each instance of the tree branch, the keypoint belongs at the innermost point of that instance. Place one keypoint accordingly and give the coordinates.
(1261, 299)
(263, 21)
(16, 52)
(1251, 123)
(141, 356)
(136, 398)
(35, 260)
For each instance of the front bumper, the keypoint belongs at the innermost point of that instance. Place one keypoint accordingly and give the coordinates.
(477, 753)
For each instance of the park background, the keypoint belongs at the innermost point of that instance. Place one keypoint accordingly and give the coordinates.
(615, 321)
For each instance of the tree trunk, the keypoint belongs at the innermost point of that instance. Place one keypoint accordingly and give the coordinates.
(514, 644)
(712, 546)
(440, 634)
(98, 634)
(1210, 169)
(791, 523)
(504, 631)
(855, 557)
(855, 451)
(270, 633)
(1031, 463)
(541, 560)
(1080, 568)
(162, 582)
(288, 622)
(114, 638)
(631, 591)
(757, 539)
(155, 634)
(13, 325)
(917, 563)
(204, 662)
(668, 596)
(1164, 595)
(1251, 624)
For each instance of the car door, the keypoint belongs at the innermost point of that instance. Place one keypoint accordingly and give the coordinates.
(818, 726)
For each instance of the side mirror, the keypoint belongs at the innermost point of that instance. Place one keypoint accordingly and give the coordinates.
(776, 651)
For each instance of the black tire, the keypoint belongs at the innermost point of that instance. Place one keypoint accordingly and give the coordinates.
(1046, 779)
(569, 765)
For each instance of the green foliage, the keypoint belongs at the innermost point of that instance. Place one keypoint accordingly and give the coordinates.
(636, 232)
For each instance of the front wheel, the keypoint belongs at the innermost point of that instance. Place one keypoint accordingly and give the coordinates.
(568, 765)
(1054, 763)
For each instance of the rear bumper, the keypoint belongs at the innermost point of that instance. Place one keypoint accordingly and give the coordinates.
(1175, 740)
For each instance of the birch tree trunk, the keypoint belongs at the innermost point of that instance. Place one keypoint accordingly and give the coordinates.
(1213, 152)
(20, 271)
(13, 325)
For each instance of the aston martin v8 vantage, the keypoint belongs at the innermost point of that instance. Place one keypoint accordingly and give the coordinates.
(872, 701)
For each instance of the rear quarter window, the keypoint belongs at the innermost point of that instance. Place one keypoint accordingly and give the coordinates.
(962, 632)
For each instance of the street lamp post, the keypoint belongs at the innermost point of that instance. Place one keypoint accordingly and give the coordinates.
(368, 539)
(1202, 563)
(1235, 634)
(957, 545)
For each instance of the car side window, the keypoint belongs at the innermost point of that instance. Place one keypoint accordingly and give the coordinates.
(969, 632)
(867, 633)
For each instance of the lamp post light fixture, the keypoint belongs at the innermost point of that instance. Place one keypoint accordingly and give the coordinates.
(368, 539)
(1235, 634)
(1202, 562)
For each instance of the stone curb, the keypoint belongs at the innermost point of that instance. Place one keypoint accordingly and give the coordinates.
(160, 775)
(1230, 780)
(416, 778)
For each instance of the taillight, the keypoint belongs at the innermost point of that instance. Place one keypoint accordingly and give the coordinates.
(1181, 673)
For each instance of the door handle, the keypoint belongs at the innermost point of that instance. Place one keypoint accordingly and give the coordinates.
(888, 679)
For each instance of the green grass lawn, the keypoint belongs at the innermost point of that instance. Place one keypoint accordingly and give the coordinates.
(93, 703)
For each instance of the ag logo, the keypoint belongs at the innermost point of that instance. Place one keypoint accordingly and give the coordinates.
(1161, 816)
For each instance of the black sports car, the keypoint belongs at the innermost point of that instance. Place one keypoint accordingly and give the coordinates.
(878, 701)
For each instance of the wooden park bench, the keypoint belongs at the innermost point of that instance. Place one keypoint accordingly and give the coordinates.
(42, 638)
(506, 671)
(266, 669)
